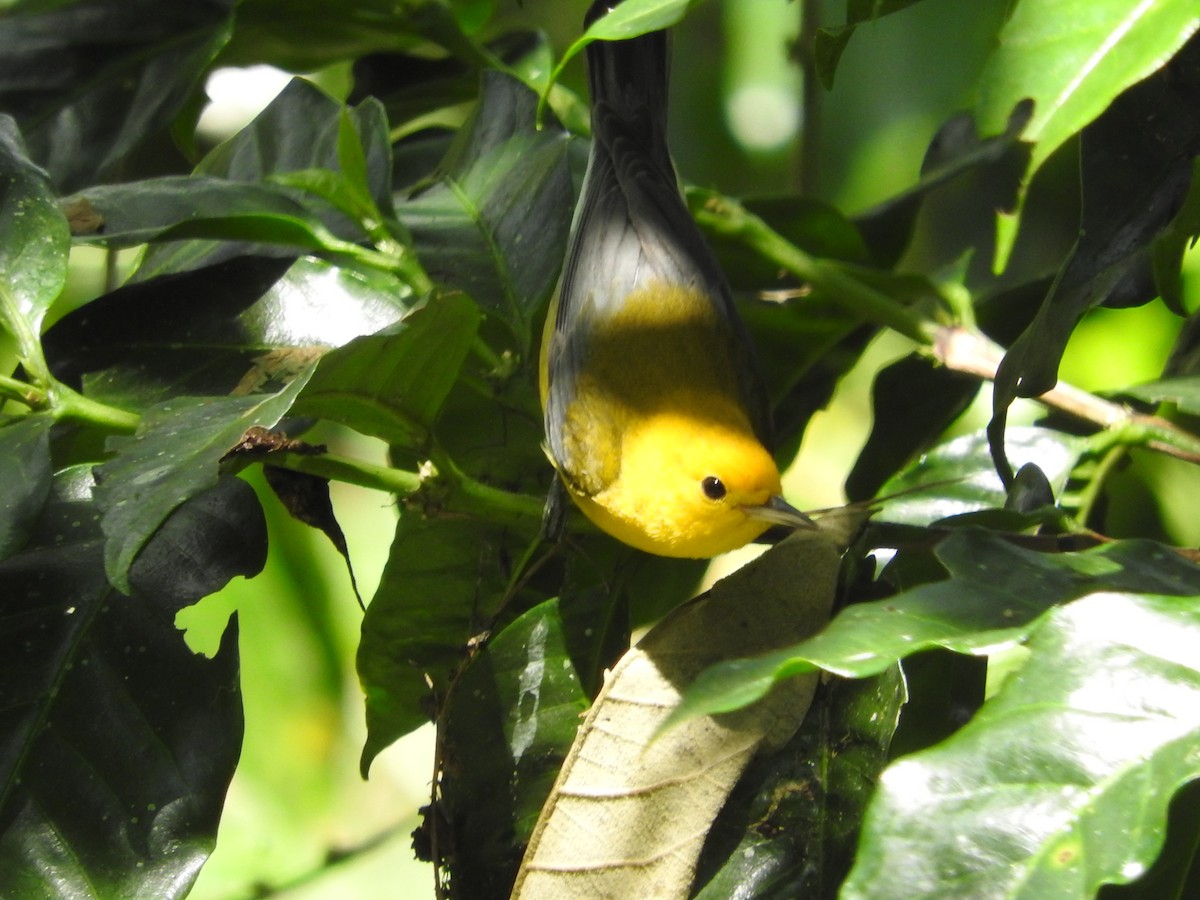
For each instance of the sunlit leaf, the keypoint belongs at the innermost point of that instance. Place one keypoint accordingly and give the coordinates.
(1073, 58)
(305, 35)
(118, 743)
(442, 584)
(995, 592)
(1061, 783)
(392, 384)
(243, 325)
(299, 131)
(958, 476)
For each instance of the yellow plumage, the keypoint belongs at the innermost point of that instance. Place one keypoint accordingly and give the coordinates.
(655, 415)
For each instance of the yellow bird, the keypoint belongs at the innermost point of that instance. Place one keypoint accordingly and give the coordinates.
(655, 413)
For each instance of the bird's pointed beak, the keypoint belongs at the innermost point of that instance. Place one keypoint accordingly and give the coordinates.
(778, 511)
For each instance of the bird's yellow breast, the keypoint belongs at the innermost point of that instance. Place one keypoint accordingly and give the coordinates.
(656, 408)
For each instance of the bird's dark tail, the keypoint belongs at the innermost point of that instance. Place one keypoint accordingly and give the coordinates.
(630, 76)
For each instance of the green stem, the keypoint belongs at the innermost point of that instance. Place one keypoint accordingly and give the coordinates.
(350, 471)
(71, 406)
(450, 491)
(33, 397)
(29, 347)
(729, 218)
(1090, 495)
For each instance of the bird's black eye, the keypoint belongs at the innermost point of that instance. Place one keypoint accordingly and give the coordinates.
(713, 487)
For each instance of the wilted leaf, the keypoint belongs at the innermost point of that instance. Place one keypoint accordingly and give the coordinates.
(630, 809)
(90, 80)
(1061, 783)
(173, 456)
(117, 742)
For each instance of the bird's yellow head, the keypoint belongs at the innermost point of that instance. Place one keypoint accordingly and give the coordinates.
(691, 486)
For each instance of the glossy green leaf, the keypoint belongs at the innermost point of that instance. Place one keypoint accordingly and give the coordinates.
(498, 769)
(1073, 58)
(392, 384)
(958, 477)
(299, 131)
(25, 478)
(91, 80)
(629, 19)
(1135, 168)
(443, 582)
(243, 325)
(496, 224)
(117, 742)
(33, 236)
(178, 207)
(790, 828)
(986, 603)
(174, 456)
(1061, 783)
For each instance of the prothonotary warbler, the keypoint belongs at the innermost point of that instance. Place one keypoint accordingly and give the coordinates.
(655, 413)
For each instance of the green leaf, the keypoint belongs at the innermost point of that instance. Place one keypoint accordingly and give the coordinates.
(306, 35)
(117, 743)
(498, 769)
(392, 384)
(300, 130)
(629, 19)
(174, 456)
(957, 477)
(34, 240)
(1183, 391)
(795, 813)
(89, 81)
(1061, 783)
(1073, 58)
(1135, 166)
(495, 226)
(913, 402)
(831, 42)
(441, 586)
(25, 478)
(242, 325)
(177, 207)
(986, 603)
